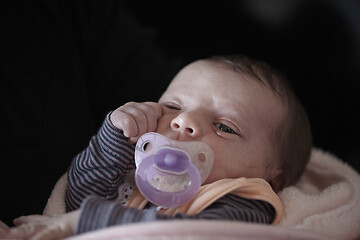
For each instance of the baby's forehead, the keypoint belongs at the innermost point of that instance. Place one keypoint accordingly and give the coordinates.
(211, 69)
(220, 77)
(242, 72)
(219, 73)
(251, 70)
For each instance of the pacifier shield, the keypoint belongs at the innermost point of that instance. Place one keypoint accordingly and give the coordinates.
(169, 173)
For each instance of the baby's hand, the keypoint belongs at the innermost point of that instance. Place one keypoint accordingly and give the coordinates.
(136, 119)
(42, 227)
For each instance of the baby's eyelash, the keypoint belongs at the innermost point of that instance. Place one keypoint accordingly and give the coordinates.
(225, 128)
(172, 107)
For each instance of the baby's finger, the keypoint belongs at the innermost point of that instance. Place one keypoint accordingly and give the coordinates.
(153, 112)
(156, 108)
(24, 231)
(3, 226)
(30, 218)
(124, 122)
(136, 111)
(150, 118)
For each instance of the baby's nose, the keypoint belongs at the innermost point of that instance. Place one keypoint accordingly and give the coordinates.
(187, 124)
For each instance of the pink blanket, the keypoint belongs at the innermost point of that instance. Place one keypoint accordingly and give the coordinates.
(324, 204)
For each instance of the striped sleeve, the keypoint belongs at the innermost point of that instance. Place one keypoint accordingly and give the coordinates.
(98, 213)
(234, 208)
(99, 169)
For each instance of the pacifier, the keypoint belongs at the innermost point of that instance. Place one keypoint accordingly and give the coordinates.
(169, 173)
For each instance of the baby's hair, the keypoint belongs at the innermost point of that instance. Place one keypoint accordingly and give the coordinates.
(291, 139)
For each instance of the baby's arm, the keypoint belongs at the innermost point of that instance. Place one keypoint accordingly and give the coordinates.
(100, 168)
(97, 213)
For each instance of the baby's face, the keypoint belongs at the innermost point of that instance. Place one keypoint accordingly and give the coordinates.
(209, 102)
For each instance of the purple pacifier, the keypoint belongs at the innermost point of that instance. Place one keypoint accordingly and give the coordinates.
(169, 173)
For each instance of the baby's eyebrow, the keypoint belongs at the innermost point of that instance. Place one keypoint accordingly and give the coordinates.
(171, 98)
(235, 108)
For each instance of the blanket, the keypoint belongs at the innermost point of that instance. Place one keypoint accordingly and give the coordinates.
(324, 204)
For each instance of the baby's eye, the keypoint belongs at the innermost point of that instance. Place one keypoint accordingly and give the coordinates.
(225, 128)
(172, 107)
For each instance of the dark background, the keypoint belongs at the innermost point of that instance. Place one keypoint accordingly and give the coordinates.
(65, 64)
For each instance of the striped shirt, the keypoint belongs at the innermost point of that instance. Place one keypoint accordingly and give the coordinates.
(100, 169)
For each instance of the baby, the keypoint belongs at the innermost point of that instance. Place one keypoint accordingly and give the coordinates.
(242, 108)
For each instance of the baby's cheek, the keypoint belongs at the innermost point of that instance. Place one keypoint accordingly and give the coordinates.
(215, 175)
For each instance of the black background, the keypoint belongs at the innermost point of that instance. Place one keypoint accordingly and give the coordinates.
(65, 64)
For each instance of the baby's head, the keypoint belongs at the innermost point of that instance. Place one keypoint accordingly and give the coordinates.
(246, 112)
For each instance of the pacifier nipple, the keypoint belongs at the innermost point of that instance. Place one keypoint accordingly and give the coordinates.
(171, 160)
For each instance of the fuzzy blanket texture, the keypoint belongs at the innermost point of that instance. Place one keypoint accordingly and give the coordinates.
(324, 204)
